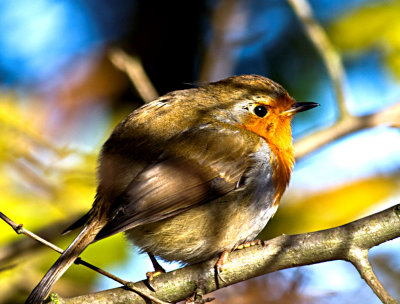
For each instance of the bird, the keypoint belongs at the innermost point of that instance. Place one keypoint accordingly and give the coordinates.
(191, 175)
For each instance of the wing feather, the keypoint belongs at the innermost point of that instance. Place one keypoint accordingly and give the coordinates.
(201, 164)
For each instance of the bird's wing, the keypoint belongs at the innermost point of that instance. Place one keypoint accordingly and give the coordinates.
(200, 165)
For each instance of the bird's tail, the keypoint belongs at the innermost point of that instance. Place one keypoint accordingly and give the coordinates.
(86, 237)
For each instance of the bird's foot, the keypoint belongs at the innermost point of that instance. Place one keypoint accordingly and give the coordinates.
(153, 274)
(158, 270)
(219, 266)
(248, 244)
(150, 277)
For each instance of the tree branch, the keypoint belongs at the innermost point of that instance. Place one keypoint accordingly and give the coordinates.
(218, 59)
(349, 242)
(133, 67)
(330, 56)
(359, 258)
(347, 123)
(389, 116)
(20, 230)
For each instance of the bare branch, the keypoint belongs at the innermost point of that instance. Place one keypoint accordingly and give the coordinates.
(24, 246)
(133, 67)
(359, 258)
(327, 51)
(350, 242)
(340, 243)
(20, 230)
(218, 60)
(347, 123)
(389, 116)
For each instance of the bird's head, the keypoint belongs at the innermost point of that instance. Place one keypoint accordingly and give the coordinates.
(259, 105)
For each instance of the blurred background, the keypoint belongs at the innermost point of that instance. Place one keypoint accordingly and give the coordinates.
(62, 91)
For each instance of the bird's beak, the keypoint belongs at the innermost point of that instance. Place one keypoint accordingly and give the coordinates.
(300, 107)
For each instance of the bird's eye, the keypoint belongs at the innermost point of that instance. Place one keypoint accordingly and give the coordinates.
(260, 111)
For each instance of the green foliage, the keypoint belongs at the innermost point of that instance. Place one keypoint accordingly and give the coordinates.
(42, 184)
(369, 28)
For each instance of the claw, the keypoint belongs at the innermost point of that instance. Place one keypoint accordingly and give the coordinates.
(153, 274)
(219, 266)
(158, 270)
(248, 244)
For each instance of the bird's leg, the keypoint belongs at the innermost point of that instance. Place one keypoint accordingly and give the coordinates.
(224, 255)
(221, 261)
(157, 268)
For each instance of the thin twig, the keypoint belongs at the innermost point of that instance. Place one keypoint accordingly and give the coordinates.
(133, 67)
(20, 230)
(327, 51)
(218, 59)
(389, 116)
(346, 123)
(359, 258)
(22, 246)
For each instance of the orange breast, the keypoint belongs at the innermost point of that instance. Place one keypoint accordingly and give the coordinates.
(276, 131)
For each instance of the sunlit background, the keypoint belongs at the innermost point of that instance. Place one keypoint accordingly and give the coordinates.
(61, 96)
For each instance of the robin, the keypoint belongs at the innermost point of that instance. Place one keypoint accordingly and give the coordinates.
(193, 174)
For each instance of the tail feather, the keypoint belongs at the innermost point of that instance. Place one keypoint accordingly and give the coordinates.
(79, 223)
(86, 237)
